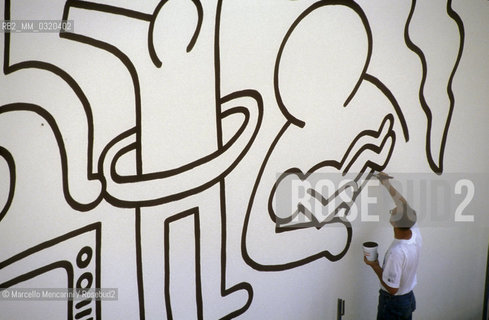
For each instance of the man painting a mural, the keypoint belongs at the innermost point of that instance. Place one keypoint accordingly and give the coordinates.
(398, 272)
(192, 159)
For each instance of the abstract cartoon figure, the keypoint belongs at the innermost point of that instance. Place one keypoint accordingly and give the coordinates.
(322, 82)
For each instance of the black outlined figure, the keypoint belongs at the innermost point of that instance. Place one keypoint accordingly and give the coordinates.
(368, 150)
(303, 109)
(77, 253)
(170, 182)
(436, 111)
(198, 174)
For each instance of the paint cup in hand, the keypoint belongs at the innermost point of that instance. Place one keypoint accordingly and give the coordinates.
(370, 250)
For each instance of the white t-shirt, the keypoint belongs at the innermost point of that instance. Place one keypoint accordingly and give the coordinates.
(401, 262)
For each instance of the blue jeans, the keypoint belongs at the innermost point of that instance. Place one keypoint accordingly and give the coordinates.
(395, 307)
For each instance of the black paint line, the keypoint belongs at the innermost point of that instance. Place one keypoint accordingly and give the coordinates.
(452, 14)
(5, 154)
(83, 313)
(83, 263)
(67, 266)
(220, 115)
(389, 118)
(123, 139)
(6, 40)
(217, 73)
(86, 276)
(83, 303)
(138, 182)
(254, 264)
(352, 5)
(315, 223)
(338, 165)
(302, 176)
(119, 139)
(280, 267)
(422, 99)
(63, 264)
(333, 217)
(200, 19)
(172, 172)
(244, 250)
(319, 196)
(276, 219)
(126, 135)
(79, 93)
(330, 163)
(300, 262)
(139, 264)
(436, 165)
(50, 243)
(190, 45)
(118, 54)
(98, 269)
(134, 76)
(198, 294)
(240, 286)
(198, 274)
(372, 147)
(397, 108)
(366, 25)
(8, 69)
(380, 167)
(124, 59)
(151, 48)
(107, 9)
(62, 150)
(225, 291)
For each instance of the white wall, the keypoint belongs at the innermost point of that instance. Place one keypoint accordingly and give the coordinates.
(140, 152)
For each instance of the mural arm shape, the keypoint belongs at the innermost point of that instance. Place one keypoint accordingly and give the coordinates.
(305, 221)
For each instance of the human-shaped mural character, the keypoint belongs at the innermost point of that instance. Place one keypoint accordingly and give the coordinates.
(128, 116)
(314, 99)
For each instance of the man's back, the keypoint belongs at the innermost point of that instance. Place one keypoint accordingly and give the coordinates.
(401, 262)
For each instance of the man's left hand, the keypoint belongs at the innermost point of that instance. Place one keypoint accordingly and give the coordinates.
(370, 263)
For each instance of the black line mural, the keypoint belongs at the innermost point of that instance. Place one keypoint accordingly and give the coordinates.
(78, 253)
(134, 101)
(197, 281)
(436, 164)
